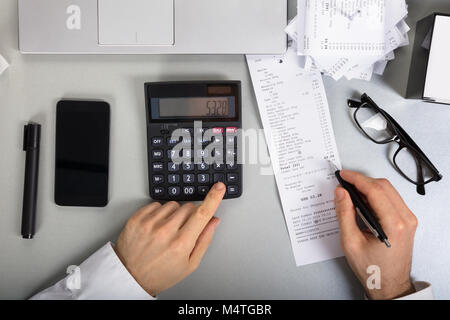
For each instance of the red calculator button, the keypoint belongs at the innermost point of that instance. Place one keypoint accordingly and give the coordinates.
(217, 130)
(232, 130)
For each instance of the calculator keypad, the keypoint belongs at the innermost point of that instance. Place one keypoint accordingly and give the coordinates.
(189, 181)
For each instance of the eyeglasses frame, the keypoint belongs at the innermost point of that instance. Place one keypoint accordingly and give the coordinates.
(402, 139)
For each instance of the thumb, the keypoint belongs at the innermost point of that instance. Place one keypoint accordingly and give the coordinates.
(346, 215)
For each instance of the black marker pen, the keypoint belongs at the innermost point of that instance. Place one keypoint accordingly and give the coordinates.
(31, 141)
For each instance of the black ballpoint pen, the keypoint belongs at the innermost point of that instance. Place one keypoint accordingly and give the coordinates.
(363, 210)
(31, 141)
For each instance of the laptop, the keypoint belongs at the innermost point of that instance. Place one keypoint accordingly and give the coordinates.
(152, 26)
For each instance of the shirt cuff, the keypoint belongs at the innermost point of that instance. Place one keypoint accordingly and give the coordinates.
(102, 276)
(424, 291)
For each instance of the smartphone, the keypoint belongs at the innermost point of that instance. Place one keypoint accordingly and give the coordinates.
(82, 153)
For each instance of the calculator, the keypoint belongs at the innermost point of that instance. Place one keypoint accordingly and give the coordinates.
(193, 134)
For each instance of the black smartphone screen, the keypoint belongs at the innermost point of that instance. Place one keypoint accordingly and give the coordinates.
(82, 153)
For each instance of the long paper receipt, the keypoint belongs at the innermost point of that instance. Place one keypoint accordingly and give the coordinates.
(298, 129)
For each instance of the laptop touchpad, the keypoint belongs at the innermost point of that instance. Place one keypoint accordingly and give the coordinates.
(136, 22)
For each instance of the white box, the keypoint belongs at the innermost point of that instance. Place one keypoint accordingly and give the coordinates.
(437, 88)
(430, 64)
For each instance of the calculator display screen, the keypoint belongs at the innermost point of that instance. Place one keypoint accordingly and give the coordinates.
(195, 107)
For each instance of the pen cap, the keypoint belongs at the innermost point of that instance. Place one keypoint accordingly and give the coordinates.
(31, 136)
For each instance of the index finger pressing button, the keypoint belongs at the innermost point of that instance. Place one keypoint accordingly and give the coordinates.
(198, 221)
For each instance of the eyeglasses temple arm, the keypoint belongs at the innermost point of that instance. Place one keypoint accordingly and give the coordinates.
(354, 104)
(420, 179)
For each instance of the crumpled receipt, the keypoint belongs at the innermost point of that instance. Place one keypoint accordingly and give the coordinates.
(3, 64)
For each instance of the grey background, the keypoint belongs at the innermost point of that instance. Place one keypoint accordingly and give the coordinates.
(251, 255)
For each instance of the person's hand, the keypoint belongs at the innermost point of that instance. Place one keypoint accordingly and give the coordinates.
(362, 249)
(162, 245)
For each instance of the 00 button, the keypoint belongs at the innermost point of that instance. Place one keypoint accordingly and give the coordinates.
(188, 191)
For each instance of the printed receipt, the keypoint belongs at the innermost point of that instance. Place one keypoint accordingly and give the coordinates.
(326, 32)
(298, 129)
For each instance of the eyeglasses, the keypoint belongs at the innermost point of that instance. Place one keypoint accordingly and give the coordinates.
(381, 128)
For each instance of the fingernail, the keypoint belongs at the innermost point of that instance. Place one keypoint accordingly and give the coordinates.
(339, 194)
(219, 186)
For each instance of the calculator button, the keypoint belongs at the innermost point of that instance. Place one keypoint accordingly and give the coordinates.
(157, 141)
(231, 140)
(157, 154)
(217, 139)
(172, 167)
(203, 178)
(218, 166)
(158, 191)
(202, 153)
(231, 130)
(188, 178)
(217, 130)
(186, 141)
(173, 191)
(158, 179)
(202, 141)
(157, 166)
(232, 177)
(173, 178)
(200, 131)
(200, 134)
(217, 153)
(231, 154)
(203, 190)
(186, 131)
(188, 191)
(232, 190)
(172, 153)
(232, 166)
(203, 166)
(172, 142)
(188, 166)
(219, 177)
(185, 135)
(187, 154)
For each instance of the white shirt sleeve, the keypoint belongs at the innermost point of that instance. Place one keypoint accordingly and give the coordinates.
(102, 276)
(423, 292)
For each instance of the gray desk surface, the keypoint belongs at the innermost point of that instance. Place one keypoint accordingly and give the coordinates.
(250, 256)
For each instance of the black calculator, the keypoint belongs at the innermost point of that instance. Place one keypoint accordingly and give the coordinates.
(193, 131)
